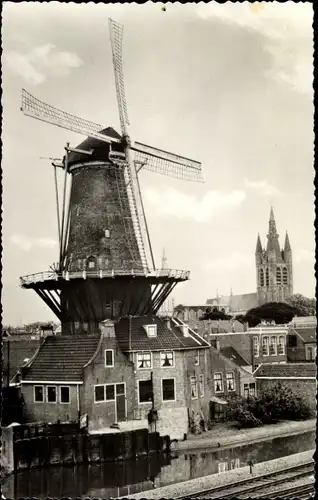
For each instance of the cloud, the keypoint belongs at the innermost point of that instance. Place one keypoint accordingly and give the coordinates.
(185, 206)
(26, 243)
(304, 255)
(262, 187)
(34, 67)
(227, 262)
(286, 26)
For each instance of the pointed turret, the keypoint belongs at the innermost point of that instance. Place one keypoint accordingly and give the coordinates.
(272, 237)
(287, 247)
(258, 245)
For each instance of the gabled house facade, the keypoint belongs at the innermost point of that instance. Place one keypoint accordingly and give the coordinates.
(301, 345)
(138, 372)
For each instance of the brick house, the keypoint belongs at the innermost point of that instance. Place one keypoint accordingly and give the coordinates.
(301, 378)
(133, 366)
(268, 344)
(301, 344)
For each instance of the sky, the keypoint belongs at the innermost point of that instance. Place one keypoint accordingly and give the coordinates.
(229, 85)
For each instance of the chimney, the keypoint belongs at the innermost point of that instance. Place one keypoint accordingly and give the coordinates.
(167, 322)
(185, 330)
(245, 326)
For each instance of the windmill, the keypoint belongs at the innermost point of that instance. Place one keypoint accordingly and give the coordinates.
(106, 265)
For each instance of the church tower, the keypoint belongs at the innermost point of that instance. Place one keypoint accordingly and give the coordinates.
(274, 267)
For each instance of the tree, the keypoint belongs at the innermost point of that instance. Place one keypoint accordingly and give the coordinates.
(214, 314)
(304, 305)
(280, 312)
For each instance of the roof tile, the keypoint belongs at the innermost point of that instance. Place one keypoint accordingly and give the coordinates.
(300, 370)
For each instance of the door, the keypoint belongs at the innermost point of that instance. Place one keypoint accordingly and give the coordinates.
(120, 402)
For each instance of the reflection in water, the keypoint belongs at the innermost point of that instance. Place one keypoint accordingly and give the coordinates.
(125, 478)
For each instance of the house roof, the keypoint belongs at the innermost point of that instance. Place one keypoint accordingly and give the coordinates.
(16, 350)
(295, 370)
(242, 302)
(133, 337)
(230, 353)
(62, 358)
(307, 335)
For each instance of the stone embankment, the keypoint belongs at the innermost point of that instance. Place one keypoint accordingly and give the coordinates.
(231, 437)
(194, 486)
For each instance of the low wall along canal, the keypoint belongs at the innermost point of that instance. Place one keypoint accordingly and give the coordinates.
(133, 476)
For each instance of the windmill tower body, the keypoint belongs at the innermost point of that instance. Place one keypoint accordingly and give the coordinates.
(274, 267)
(106, 267)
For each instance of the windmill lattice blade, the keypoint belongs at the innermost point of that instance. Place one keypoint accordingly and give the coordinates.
(116, 38)
(163, 162)
(33, 107)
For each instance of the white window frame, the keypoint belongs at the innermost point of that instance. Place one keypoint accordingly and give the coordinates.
(110, 400)
(197, 358)
(69, 394)
(281, 344)
(91, 264)
(271, 344)
(256, 347)
(112, 351)
(103, 400)
(265, 345)
(144, 402)
(107, 233)
(310, 349)
(162, 355)
(43, 396)
(174, 388)
(201, 385)
(194, 383)
(47, 394)
(141, 353)
(149, 328)
(218, 380)
(230, 379)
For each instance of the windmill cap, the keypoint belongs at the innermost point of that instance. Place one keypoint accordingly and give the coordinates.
(100, 149)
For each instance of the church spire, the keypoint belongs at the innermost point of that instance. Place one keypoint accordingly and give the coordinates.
(272, 237)
(258, 245)
(287, 247)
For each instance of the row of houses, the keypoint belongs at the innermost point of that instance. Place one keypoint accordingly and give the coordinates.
(154, 372)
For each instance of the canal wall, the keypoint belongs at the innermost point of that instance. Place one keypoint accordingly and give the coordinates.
(234, 437)
(29, 446)
(195, 486)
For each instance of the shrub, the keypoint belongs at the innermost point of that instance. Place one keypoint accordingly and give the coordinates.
(246, 419)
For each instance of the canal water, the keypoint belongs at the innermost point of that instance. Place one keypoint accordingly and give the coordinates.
(123, 478)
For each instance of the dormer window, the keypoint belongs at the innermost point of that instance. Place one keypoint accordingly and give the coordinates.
(151, 330)
(91, 263)
(107, 233)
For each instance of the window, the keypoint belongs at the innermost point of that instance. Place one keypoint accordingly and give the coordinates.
(166, 359)
(256, 347)
(107, 233)
(91, 263)
(310, 352)
(120, 389)
(51, 394)
(110, 392)
(281, 345)
(64, 394)
(249, 390)
(197, 357)
(223, 467)
(278, 276)
(267, 276)
(261, 277)
(193, 387)
(273, 346)
(168, 392)
(151, 330)
(285, 276)
(144, 360)
(99, 393)
(292, 340)
(145, 391)
(265, 346)
(230, 381)
(255, 367)
(109, 357)
(218, 382)
(38, 394)
(201, 385)
(252, 389)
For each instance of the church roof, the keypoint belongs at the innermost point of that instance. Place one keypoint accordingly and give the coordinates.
(258, 245)
(272, 237)
(242, 302)
(287, 247)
